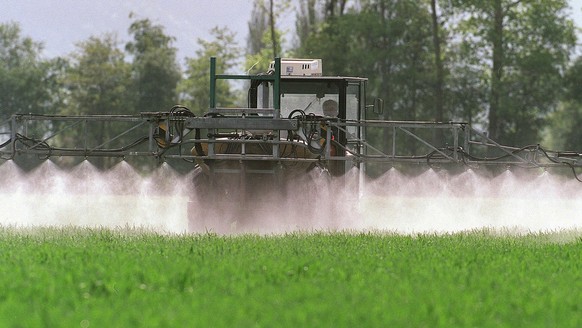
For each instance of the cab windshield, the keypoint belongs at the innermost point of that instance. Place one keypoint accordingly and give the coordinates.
(312, 97)
(308, 97)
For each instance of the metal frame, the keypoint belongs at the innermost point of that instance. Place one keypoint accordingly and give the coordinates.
(72, 137)
(464, 139)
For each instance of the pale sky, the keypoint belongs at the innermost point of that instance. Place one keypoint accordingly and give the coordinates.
(59, 24)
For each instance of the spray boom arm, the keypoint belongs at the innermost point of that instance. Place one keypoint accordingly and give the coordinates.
(277, 127)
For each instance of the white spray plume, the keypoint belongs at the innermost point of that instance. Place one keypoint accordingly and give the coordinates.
(439, 202)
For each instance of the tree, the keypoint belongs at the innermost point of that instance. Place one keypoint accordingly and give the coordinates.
(194, 89)
(438, 63)
(27, 82)
(258, 25)
(306, 22)
(390, 42)
(335, 7)
(99, 78)
(155, 71)
(99, 82)
(565, 132)
(338, 41)
(265, 39)
(524, 46)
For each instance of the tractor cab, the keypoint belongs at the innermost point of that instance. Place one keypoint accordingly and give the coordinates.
(303, 93)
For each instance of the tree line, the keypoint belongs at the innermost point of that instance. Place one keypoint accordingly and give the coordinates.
(507, 66)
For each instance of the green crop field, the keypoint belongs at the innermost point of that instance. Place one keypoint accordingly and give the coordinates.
(73, 277)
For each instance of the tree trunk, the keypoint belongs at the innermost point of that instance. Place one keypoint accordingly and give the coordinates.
(332, 5)
(497, 71)
(439, 78)
(385, 68)
(272, 24)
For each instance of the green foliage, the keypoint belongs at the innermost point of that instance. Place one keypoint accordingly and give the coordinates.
(521, 49)
(564, 128)
(98, 82)
(71, 277)
(265, 39)
(502, 60)
(27, 82)
(565, 122)
(259, 62)
(306, 21)
(98, 79)
(387, 41)
(258, 24)
(156, 73)
(390, 42)
(194, 88)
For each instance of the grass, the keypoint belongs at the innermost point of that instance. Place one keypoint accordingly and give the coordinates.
(73, 277)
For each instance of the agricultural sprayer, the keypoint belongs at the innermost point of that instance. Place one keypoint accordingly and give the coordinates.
(296, 120)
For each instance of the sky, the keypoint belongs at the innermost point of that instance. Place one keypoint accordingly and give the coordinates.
(60, 24)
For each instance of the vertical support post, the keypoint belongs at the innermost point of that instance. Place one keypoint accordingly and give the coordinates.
(328, 141)
(277, 104)
(393, 142)
(168, 136)
(455, 142)
(212, 101)
(151, 138)
(277, 89)
(467, 129)
(85, 136)
(13, 136)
